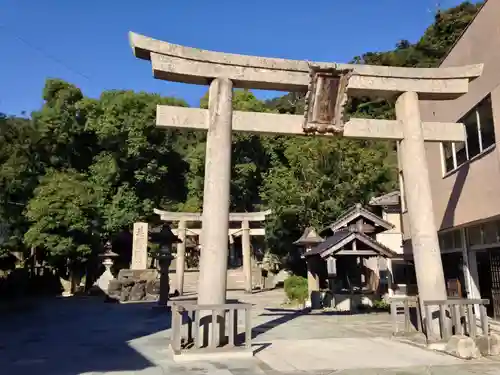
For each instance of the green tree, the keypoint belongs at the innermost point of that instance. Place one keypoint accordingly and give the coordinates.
(19, 170)
(139, 166)
(320, 179)
(110, 154)
(63, 141)
(250, 160)
(62, 214)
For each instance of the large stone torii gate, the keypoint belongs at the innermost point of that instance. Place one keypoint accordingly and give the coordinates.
(246, 232)
(328, 86)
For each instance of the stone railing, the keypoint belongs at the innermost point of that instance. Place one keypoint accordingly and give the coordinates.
(462, 313)
(406, 303)
(196, 336)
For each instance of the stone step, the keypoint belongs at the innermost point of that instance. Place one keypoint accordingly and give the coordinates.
(235, 279)
(494, 325)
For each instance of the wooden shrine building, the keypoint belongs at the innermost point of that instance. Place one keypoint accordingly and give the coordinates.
(346, 262)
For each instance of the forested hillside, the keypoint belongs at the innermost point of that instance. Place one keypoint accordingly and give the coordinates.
(79, 170)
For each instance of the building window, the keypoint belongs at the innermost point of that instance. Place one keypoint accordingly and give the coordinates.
(449, 156)
(490, 235)
(480, 135)
(475, 235)
(457, 239)
(451, 241)
(484, 236)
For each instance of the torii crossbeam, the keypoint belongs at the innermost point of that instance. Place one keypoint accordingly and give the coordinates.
(328, 86)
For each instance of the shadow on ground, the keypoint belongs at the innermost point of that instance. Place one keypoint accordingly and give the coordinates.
(70, 336)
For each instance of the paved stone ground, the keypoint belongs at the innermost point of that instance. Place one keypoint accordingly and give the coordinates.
(72, 336)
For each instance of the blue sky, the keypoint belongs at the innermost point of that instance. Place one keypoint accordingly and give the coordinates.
(85, 42)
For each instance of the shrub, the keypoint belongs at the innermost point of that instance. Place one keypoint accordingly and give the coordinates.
(296, 288)
(381, 305)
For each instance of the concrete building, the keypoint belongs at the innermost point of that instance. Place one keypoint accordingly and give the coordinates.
(465, 177)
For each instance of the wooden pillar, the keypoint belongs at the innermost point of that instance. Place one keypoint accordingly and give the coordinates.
(232, 251)
(425, 244)
(470, 272)
(361, 268)
(215, 217)
(247, 255)
(465, 265)
(181, 256)
(312, 285)
(313, 281)
(390, 278)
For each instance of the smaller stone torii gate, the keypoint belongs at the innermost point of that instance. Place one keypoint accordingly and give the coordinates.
(327, 86)
(181, 218)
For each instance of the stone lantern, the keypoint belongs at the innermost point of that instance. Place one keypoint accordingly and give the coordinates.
(107, 257)
(307, 241)
(162, 235)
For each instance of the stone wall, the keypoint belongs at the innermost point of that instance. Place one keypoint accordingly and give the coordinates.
(135, 286)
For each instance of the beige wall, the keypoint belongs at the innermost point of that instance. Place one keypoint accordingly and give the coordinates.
(392, 238)
(472, 192)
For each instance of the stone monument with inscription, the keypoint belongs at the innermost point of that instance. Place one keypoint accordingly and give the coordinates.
(139, 282)
(140, 247)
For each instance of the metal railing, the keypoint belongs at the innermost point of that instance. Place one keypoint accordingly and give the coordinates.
(461, 313)
(196, 334)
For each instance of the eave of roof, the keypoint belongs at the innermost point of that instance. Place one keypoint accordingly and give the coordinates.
(355, 212)
(389, 199)
(340, 239)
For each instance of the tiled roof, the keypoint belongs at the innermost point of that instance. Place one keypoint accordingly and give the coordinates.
(352, 214)
(329, 242)
(337, 242)
(389, 199)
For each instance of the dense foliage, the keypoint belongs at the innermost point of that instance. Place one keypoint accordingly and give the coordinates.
(80, 170)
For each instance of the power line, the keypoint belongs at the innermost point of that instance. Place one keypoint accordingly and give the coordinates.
(44, 53)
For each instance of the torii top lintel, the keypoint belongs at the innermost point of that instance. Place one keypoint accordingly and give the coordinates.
(192, 65)
(197, 216)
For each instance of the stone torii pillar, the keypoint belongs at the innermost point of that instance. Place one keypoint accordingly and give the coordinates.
(425, 242)
(180, 260)
(328, 87)
(246, 249)
(215, 217)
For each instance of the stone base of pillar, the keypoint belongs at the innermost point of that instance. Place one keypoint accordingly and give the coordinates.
(206, 326)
